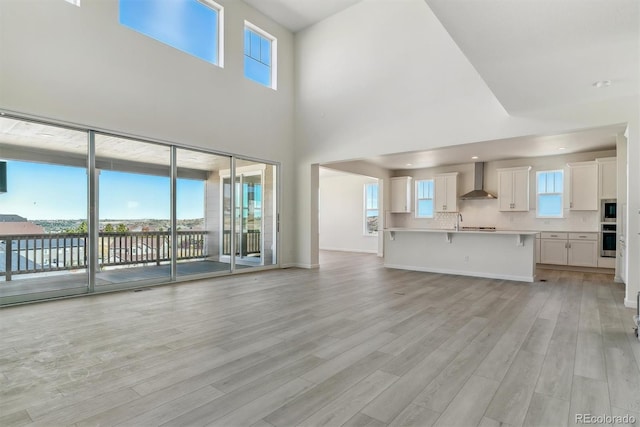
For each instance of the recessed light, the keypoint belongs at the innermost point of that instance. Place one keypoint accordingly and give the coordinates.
(561, 148)
(409, 164)
(474, 157)
(601, 83)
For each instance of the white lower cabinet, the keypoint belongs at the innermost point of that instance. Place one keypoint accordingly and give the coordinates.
(583, 249)
(577, 249)
(553, 248)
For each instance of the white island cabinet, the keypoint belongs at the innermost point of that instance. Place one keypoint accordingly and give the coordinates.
(508, 255)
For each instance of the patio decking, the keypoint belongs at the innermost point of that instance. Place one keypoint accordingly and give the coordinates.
(53, 282)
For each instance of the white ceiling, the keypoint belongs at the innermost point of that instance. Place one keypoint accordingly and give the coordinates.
(544, 53)
(533, 54)
(296, 15)
(598, 139)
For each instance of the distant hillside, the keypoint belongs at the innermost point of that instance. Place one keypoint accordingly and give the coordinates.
(63, 225)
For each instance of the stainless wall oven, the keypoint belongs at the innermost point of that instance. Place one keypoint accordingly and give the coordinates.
(609, 210)
(608, 238)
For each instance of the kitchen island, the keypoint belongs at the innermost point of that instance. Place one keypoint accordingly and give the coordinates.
(495, 254)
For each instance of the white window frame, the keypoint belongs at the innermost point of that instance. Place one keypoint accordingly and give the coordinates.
(274, 51)
(366, 209)
(538, 193)
(417, 213)
(218, 8)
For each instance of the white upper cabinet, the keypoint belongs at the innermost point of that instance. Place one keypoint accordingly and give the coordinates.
(583, 186)
(446, 192)
(513, 189)
(607, 183)
(401, 194)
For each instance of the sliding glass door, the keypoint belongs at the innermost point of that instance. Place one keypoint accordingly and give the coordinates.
(254, 221)
(134, 197)
(85, 211)
(43, 211)
(199, 213)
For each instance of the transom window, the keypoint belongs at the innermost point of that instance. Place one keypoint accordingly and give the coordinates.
(371, 209)
(550, 188)
(259, 56)
(192, 26)
(424, 198)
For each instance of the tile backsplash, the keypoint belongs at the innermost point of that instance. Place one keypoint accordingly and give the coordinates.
(484, 213)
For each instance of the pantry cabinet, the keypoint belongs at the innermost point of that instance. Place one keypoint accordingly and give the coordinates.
(583, 186)
(446, 192)
(513, 189)
(401, 194)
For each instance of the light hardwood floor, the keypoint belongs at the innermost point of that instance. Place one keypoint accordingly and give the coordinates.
(350, 344)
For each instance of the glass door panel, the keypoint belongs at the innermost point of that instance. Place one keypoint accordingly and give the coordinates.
(199, 222)
(255, 214)
(134, 196)
(43, 214)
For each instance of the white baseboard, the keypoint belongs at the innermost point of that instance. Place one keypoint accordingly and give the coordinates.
(300, 265)
(359, 251)
(462, 273)
(630, 303)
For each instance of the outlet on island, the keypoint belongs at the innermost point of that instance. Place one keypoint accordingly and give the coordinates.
(466, 258)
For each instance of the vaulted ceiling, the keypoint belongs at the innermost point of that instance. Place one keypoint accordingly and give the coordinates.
(532, 54)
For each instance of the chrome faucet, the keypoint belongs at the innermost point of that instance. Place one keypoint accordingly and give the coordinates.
(458, 221)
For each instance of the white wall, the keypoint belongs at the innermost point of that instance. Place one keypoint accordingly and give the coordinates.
(363, 92)
(486, 213)
(79, 65)
(341, 217)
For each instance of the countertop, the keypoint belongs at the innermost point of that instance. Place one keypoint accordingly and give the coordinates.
(445, 230)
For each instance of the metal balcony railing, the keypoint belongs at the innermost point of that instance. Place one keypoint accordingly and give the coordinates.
(39, 253)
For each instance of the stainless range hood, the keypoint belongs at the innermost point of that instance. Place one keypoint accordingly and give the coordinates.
(478, 183)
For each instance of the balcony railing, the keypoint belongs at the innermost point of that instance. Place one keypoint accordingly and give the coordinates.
(247, 244)
(40, 253)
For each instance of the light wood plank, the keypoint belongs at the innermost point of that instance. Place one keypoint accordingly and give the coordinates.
(349, 403)
(469, 406)
(588, 397)
(415, 416)
(547, 411)
(257, 337)
(513, 397)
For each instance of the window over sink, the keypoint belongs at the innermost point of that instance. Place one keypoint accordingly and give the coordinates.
(549, 193)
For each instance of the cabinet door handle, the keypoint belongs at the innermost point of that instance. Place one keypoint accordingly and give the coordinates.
(570, 204)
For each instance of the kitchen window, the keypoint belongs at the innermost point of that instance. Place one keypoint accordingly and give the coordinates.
(549, 192)
(424, 198)
(371, 209)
